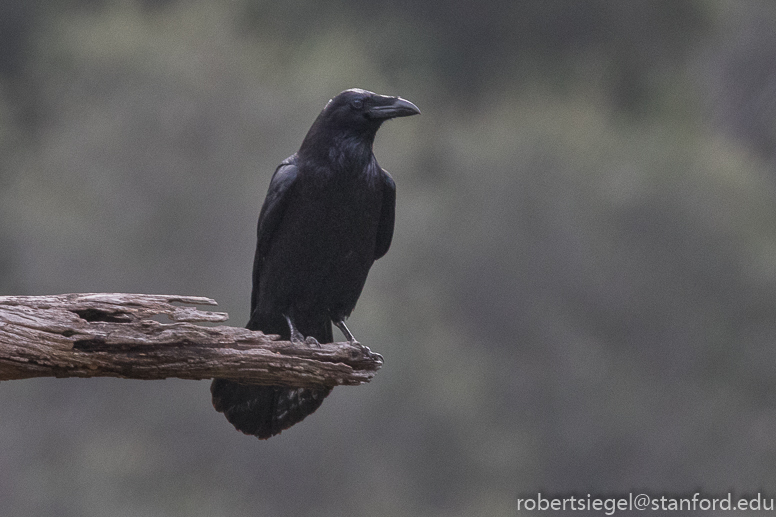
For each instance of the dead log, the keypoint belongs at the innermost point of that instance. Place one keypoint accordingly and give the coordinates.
(114, 335)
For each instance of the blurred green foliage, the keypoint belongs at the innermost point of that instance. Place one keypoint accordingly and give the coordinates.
(581, 293)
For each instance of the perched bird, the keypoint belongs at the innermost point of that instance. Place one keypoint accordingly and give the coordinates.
(328, 215)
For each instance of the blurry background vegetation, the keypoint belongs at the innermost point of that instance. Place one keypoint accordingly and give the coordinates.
(581, 293)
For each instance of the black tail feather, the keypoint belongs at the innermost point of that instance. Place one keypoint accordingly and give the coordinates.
(264, 411)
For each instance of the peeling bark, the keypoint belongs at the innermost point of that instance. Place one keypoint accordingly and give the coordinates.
(113, 335)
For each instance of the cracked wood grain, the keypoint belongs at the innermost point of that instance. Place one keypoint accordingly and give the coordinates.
(113, 335)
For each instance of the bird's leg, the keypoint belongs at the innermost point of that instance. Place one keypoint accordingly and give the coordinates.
(340, 323)
(345, 331)
(297, 337)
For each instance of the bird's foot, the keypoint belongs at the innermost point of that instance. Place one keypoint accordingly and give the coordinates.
(352, 341)
(367, 352)
(298, 338)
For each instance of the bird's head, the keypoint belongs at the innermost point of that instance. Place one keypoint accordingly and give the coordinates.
(359, 113)
(356, 106)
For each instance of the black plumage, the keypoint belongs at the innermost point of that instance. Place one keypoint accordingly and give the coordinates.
(328, 215)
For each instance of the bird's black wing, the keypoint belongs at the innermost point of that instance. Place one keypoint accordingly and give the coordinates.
(387, 216)
(264, 411)
(272, 210)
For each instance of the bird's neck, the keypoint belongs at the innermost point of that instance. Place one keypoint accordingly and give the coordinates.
(340, 150)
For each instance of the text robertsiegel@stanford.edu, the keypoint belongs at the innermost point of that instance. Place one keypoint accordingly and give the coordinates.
(609, 505)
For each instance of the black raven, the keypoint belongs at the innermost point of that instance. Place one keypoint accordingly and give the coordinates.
(327, 217)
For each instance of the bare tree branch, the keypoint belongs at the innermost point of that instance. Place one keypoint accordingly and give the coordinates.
(113, 335)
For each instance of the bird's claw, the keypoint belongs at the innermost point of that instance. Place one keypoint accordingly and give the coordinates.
(299, 339)
(367, 352)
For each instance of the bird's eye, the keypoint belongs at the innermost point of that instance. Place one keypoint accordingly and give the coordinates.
(358, 104)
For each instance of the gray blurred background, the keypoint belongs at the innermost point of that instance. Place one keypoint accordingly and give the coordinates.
(581, 292)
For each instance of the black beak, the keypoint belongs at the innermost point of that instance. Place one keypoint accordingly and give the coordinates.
(391, 107)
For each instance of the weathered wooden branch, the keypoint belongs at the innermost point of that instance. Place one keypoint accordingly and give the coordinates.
(113, 335)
